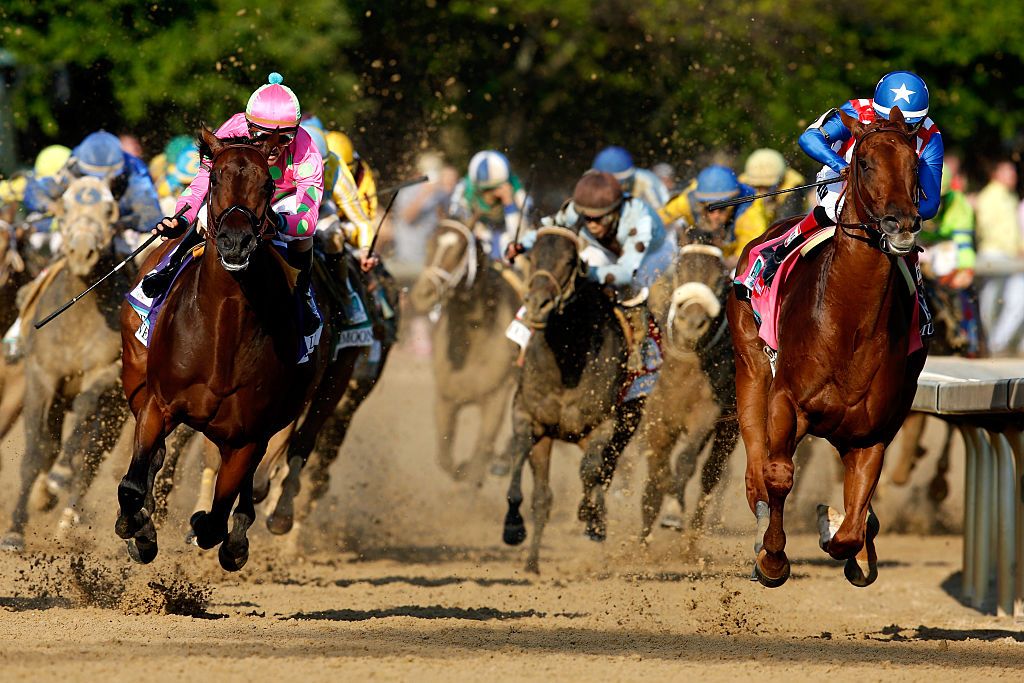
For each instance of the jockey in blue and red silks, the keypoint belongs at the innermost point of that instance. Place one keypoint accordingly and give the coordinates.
(830, 142)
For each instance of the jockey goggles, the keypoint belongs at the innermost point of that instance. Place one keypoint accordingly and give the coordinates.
(284, 135)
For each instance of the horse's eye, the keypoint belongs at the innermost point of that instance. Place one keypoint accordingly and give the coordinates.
(863, 165)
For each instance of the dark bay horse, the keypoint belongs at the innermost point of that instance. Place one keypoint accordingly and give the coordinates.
(474, 364)
(223, 353)
(695, 397)
(573, 377)
(843, 371)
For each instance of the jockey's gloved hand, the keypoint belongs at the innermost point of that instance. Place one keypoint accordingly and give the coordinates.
(367, 260)
(171, 227)
(277, 219)
(513, 250)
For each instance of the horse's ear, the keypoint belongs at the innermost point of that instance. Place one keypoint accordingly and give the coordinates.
(896, 116)
(209, 143)
(854, 125)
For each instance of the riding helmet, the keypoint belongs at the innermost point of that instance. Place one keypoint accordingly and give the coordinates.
(905, 90)
(489, 169)
(99, 155)
(273, 106)
(615, 160)
(597, 193)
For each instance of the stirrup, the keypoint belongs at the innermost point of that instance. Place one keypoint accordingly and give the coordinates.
(772, 357)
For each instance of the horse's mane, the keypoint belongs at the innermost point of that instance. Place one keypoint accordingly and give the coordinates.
(206, 153)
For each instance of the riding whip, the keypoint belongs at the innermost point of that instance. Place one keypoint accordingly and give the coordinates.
(714, 206)
(395, 189)
(142, 247)
(522, 211)
(388, 190)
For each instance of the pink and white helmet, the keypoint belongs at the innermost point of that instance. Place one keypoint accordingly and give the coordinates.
(273, 106)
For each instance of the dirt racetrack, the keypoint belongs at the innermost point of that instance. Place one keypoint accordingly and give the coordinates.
(401, 574)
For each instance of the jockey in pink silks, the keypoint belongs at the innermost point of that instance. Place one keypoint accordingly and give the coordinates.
(295, 165)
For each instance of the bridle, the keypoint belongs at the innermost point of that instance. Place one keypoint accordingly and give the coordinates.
(565, 291)
(445, 281)
(723, 322)
(261, 225)
(875, 237)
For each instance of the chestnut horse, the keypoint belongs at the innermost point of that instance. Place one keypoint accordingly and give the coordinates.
(843, 371)
(223, 358)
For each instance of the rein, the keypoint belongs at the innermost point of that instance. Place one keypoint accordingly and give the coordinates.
(875, 236)
(564, 292)
(466, 269)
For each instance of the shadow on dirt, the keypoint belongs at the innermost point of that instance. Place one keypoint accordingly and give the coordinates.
(429, 612)
(430, 582)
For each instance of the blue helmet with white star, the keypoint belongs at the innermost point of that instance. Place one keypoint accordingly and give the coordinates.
(905, 90)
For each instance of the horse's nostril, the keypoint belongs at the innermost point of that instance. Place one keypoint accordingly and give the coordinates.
(890, 225)
(916, 227)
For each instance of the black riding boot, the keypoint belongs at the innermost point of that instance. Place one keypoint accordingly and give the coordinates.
(303, 260)
(157, 282)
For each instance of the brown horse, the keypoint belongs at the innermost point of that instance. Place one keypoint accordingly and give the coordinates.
(223, 353)
(843, 370)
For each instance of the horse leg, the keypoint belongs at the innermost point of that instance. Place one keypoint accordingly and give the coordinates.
(938, 487)
(522, 442)
(13, 397)
(269, 465)
(491, 413)
(844, 537)
(325, 398)
(135, 492)
(771, 567)
(726, 436)
(445, 411)
(234, 552)
(540, 466)
(598, 467)
(238, 466)
(102, 413)
(164, 483)
(686, 464)
(660, 437)
(910, 450)
(44, 422)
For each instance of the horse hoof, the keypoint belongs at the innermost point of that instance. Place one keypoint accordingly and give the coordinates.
(260, 493)
(205, 538)
(279, 525)
(13, 542)
(58, 479)
(674, 522)
(190, 539)
(766, 580)
(141, 550)
(234, 556)
(514, 534)
(855, 573)
(596, 533)
(43, 500)
(533, 565)
(128, 526)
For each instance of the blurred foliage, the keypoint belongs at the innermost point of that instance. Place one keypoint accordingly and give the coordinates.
(549, 82)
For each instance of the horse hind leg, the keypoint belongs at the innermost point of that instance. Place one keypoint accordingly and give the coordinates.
(540, 465)
(851, 535)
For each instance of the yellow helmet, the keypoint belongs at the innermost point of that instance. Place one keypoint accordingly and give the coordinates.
(50, 160)
(764, 168)
(339, 143)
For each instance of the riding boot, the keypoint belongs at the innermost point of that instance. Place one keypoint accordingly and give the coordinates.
(303, 261)
(157, 282)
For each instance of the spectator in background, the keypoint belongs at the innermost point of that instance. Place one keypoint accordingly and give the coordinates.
(999, 238)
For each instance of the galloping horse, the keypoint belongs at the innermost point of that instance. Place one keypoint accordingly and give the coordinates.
(844, 369)
(473, 361)
(71, 365)
(223, 352)
(574, 377)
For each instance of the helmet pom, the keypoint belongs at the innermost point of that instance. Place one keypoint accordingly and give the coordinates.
(275, 78)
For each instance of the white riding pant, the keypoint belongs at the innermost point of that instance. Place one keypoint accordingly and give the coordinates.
(828, 196)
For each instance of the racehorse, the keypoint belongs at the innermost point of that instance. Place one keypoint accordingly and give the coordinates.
(71, 365)
(574, 377)
(224, 354)
(474, 364)
(844, 369)
(695, 397)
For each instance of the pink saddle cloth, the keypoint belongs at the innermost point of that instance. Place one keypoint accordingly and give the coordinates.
(769, 265)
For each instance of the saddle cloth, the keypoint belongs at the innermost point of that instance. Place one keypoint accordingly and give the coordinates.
(148, 308)
(769, 265)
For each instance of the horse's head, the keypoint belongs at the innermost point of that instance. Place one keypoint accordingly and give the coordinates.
(699, 284)
(883, 183)
(87, 226)
(452, 259)
(555, 265)
(241, 188)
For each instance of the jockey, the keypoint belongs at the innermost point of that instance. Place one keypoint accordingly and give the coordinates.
(491, 195)
(49, 161)
(766, 171)
(296, 167)
(732, 226)
(100, 155)
(638, 182)
(830, 142)
(362, 175)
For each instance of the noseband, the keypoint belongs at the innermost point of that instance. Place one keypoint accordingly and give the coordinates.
(876, 237)
(445, 281)
(723, 325)
(564, 291)
(260, 224)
